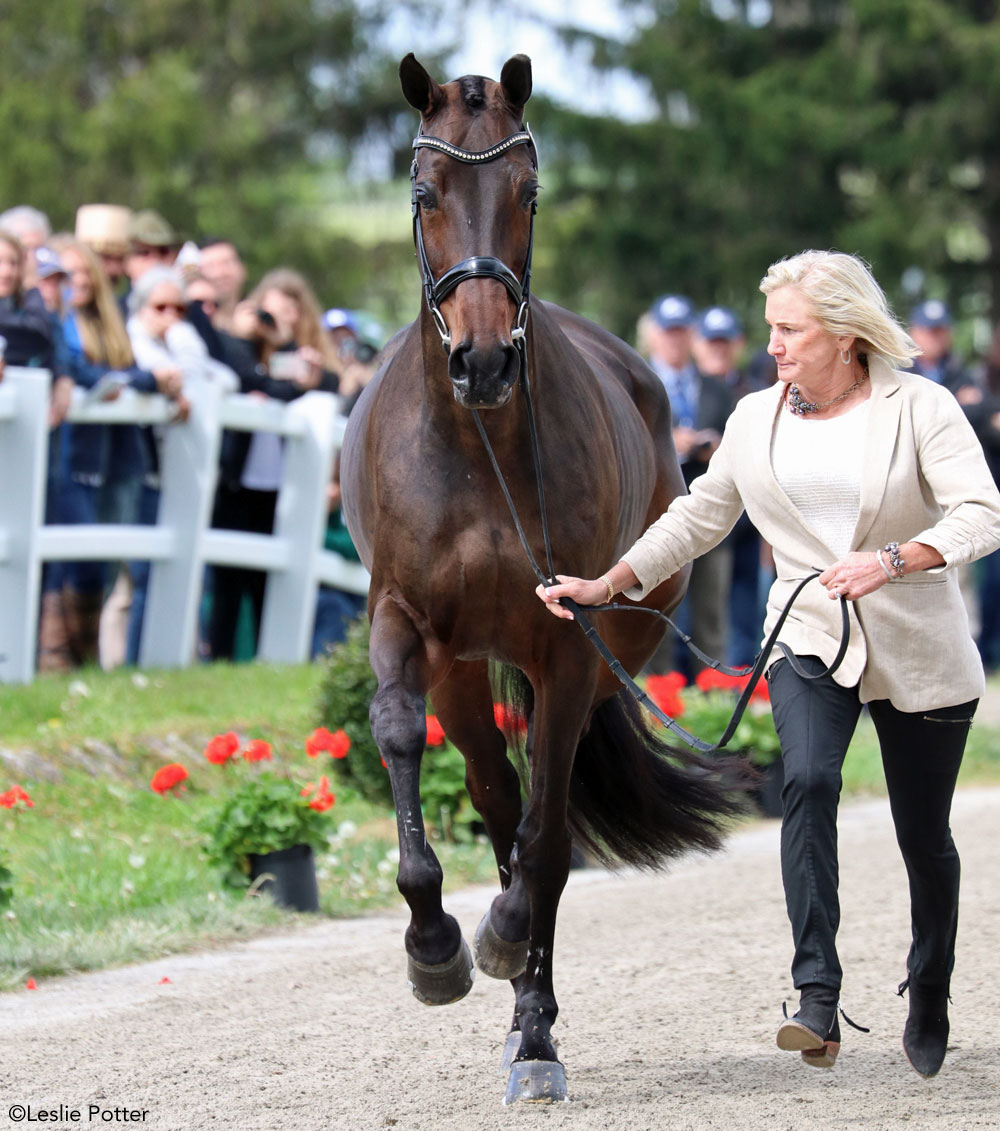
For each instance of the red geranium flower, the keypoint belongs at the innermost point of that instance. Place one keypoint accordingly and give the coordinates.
(336, 743)
(664, 690)
(257, 750)
(508, 720)
(435, 731)
(14, 795)
(708, 679)
(168, 778)
(222, 747)
(322, 798)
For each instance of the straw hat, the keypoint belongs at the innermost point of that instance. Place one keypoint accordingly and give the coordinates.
(104, 227)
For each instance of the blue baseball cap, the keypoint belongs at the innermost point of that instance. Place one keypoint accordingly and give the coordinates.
(931, 314)
(671, 311)
(47, 263)
(719, 322)
(336, 317)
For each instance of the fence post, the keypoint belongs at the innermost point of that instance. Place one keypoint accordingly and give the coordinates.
(290, 597)
(189, 461)
(24, 400)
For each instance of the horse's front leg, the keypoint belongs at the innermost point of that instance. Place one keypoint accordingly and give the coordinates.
(439, 963)
(541, 867)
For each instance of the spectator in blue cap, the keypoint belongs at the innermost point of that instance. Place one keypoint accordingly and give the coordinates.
(931, 328)
(699, 406)
(718, 345)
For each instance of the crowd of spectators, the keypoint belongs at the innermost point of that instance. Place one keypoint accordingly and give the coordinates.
(123, 301)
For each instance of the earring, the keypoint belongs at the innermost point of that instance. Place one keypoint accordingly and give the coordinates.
(846, 360)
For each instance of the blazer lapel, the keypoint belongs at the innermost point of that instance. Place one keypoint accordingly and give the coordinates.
(880, 443)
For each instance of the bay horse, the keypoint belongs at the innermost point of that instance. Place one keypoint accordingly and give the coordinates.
(452, 589)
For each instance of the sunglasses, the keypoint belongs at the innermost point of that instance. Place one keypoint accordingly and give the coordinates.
(177, 307)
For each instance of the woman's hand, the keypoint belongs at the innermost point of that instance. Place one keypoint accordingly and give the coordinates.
(169, 381)
(580, 590)
(854, 576)
(312, 367)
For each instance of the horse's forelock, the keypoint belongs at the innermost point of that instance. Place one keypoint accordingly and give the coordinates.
(473, 91)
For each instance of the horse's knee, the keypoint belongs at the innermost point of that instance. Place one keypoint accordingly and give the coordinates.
(397, 720)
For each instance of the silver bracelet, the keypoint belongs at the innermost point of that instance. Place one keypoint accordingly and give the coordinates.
(896, 563)
(881, 562)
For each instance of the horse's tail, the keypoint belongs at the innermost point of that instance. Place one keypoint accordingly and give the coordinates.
(633, 798)
(636, 799)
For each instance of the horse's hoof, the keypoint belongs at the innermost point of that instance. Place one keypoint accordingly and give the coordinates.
(441, 985)
(536, 1082)
(511, 1049)
(496, 957)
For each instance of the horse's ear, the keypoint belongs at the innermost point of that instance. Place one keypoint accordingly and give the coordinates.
(515, 78)
(419, 89)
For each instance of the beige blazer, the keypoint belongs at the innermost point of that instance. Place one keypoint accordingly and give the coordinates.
(924, 479)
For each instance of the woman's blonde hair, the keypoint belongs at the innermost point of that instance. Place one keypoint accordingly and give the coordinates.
(309, 331)
(100, 323)
(17, 248)
(847, 300)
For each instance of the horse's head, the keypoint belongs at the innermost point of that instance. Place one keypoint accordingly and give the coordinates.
(474, 186)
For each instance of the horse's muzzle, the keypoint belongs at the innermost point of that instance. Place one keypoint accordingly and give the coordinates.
(483, 378)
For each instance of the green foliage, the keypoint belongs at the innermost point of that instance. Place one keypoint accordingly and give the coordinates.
(264, 813)
(443, 796)
(6, 885)
(348, 687)
(707, 713)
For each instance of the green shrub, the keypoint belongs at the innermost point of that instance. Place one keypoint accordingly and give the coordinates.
(348, 687)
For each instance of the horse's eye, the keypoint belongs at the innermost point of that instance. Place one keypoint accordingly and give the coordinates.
(426, 197)
(529, 194)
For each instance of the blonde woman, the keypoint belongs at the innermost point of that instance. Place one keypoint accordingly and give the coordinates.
(850, 464)
(102, 466)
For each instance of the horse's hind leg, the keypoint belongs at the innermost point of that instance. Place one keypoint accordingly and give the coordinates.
(464, 704)
(440, 966)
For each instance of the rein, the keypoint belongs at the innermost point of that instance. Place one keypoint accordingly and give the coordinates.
(487, 266)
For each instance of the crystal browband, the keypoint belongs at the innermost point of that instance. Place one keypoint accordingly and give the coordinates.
(473, 157)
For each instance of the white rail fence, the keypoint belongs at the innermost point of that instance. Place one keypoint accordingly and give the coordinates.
(182, 542)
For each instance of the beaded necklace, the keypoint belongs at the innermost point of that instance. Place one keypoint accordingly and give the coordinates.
(800, 406)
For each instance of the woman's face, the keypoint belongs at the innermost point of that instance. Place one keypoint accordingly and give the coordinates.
(283, 309)
(805, 352)
(81, 285)
(163, 308)
(10, 269)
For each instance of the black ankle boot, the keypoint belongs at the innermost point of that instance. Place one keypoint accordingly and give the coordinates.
(813, 1025)
(925, 1036)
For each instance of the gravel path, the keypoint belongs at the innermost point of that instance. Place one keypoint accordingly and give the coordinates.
(670, 989)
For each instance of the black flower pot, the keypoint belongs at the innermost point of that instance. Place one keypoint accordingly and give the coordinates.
(289, 875)
(768, 792)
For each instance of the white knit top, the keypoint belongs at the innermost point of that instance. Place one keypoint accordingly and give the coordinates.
(817, 463)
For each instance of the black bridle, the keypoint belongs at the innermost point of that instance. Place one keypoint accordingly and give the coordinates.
(476, 266)
(488, 266)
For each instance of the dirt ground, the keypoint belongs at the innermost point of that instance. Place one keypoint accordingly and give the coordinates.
(670, 989)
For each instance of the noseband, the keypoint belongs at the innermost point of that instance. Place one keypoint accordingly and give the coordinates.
(476, 266)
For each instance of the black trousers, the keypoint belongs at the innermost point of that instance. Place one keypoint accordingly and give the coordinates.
(921, 755)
